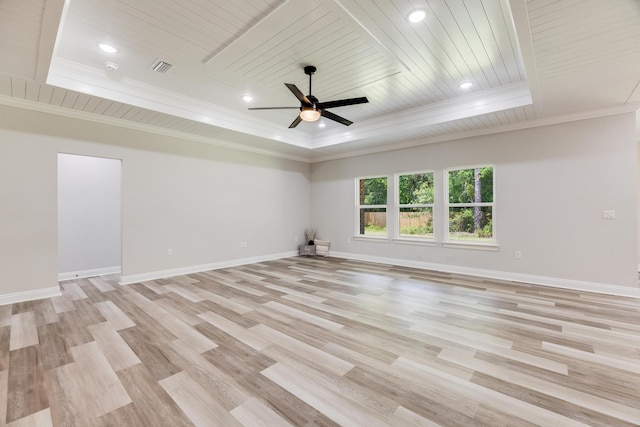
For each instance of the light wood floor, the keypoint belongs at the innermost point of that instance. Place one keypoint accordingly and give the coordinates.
(320, 342)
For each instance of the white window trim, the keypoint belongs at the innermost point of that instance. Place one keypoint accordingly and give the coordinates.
(397, 206)
(466, 244)
(357, 235)
(469, 244)
(417, 241)
(370, 238)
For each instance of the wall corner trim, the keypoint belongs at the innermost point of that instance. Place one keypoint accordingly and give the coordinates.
(162, 274)
(30, 295)
(576, 285)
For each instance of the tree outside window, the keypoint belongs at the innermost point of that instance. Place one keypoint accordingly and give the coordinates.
(470, 198)
(415, 205)
(372, 206)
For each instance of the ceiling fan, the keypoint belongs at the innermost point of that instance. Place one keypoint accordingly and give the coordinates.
(310, 108)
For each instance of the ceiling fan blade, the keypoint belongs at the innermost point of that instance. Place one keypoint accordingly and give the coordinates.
(310, 102)
(295, 123)
(329, 115)
(342, 102)
(298, 94)
(274, 108)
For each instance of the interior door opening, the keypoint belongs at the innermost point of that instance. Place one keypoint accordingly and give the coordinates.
(89, 216)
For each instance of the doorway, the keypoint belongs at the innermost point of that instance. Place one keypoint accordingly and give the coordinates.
(89, 216)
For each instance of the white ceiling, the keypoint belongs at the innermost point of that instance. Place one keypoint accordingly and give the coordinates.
(531, 62)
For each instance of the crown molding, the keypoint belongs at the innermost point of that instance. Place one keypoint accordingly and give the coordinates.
(84, 79)
(52, 23)
(81, 115)
(583, 115)
(516, 11)
(483, 102)
(77, 77)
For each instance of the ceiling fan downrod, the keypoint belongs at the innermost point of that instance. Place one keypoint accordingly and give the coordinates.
(310, 70)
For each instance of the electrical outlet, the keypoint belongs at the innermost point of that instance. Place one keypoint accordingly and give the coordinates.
(609, 214)
(518, 255)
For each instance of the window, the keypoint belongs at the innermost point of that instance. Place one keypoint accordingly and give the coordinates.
(372, 206)
(470, 204)
(415, 205)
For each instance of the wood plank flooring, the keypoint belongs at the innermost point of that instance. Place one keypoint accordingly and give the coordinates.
(320, 342)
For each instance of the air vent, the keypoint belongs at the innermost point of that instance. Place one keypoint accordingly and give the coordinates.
(161, 66)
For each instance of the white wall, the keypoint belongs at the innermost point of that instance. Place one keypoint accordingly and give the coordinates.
(552, 184)
(638, 190)
(28, 224)
(198, 199)
(88, 215)
(202, 200)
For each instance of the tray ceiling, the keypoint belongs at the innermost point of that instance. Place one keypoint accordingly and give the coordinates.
(529, 62)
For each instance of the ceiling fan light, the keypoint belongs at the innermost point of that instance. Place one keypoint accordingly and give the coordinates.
(309, 114)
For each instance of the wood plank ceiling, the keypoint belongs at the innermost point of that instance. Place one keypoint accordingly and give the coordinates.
(542, 60)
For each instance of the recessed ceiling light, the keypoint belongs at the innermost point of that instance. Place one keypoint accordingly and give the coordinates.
(247, 98)
(466, 85)
(321, 124)
(111, 66)
(417, 16)
(107, 48)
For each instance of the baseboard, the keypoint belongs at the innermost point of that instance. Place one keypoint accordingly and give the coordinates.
(88, 273)
(29, 295)
(154, 275)
(577, 285)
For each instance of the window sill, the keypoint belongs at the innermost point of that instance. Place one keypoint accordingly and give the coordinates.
(378, 239)
(492, 247)
(414, 241)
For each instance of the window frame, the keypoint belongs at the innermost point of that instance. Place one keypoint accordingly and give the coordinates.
(398, 206)
(358, 206)
(447, 241)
